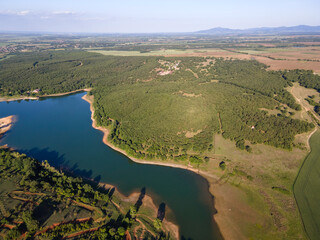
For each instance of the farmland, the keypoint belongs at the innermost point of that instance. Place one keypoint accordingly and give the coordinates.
(276, 58)
(306, 189)
(164, 52)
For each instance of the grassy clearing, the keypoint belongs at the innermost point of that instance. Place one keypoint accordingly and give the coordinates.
(306, 189)
(267, 192)
(301, 93)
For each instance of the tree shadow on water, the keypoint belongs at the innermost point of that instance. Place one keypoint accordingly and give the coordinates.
(58, 161)
(80, 172)
(139, 201)
(161, 211)
(53, 157)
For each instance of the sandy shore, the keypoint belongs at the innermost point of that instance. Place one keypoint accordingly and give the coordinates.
(9, 99)
(148, 203)
(5, 124)
(66, 93)
(225, 196)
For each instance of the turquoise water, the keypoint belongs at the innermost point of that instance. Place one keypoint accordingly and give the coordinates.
(60, 130)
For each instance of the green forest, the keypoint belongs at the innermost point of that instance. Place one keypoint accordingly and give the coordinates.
(169, 108)
(38, 201)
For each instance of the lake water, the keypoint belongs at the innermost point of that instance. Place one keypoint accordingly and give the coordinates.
(60, 130)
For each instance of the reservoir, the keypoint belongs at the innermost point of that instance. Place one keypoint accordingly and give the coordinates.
(60, 130)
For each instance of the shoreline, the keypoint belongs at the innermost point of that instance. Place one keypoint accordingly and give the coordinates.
(9, 99)
(211, 179)
(6, 124)
(147, 202)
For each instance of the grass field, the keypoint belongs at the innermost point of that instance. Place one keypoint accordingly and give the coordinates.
(306, 189)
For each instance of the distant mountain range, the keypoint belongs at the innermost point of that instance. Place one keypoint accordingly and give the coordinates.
(301, 29)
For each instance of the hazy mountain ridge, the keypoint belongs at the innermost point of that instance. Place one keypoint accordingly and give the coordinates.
(301, 29)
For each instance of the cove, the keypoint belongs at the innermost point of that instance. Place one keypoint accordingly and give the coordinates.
(59, 130)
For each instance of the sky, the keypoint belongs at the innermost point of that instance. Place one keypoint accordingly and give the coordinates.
(148, 16)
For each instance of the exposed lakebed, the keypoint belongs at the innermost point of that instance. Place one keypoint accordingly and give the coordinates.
(60, 130)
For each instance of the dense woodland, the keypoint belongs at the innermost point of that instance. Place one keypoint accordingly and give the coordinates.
(40, 202)
(172, 115)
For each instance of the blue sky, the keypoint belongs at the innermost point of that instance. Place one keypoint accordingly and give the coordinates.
(124, 16)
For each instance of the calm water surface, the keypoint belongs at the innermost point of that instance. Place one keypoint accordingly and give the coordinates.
(59, 129)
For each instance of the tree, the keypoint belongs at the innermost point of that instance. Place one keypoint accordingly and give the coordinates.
(157, 224)
(248, 149)
(132, 212)
(121, 231)
(240, 144)
(31, 224)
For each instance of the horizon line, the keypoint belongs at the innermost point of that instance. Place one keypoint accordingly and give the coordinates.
(146, 33)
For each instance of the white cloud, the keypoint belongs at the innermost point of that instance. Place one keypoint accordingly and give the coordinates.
(19, 13)
(62, 13)
(23, 13)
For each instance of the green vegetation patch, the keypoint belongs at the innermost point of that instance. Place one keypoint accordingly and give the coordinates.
(306, 189)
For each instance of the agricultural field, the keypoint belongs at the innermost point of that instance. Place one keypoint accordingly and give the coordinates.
(40, 202)
(164, 52)
(289, 58)
(290, 53)
(306, 189)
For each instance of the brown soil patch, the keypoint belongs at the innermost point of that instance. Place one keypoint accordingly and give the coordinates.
(76, 234)
(190, 134)
(289, 65)
(189, 94)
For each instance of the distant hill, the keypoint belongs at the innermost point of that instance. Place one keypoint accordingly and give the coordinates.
(301, 29)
